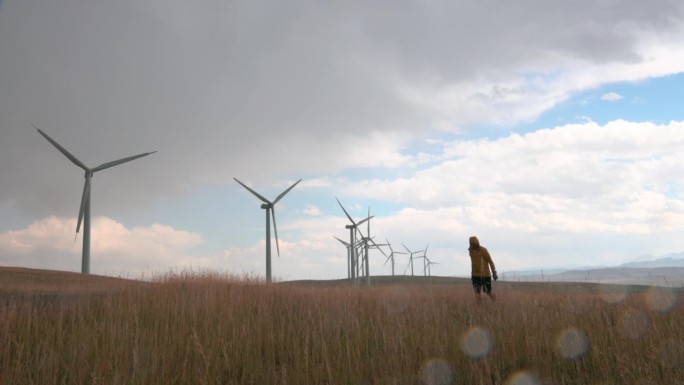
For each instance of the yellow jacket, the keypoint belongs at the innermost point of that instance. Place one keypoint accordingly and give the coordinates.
(480, 259)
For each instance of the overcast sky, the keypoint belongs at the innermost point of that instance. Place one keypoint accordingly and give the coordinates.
(552, 130)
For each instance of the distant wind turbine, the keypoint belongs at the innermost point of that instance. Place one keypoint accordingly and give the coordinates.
(429, 264)
(366, 240)
(349, 252)
(425, 260)
(84, 211)
(391, 256)
(410, 258)
(270, 213)
(353, 228)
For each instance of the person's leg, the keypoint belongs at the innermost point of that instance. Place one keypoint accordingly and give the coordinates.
(477, 284)
(488, 287)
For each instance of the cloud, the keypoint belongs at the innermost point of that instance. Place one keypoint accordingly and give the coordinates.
(49, 243)
(611, 97)
(312, 210)
(616, 177)
(254, 88)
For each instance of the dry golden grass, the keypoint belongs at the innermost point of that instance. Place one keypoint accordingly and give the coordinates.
(20, 280)
(209, 329)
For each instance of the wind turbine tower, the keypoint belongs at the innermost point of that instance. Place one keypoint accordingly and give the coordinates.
(349, 252)
(269, 208)
(391, 256)
(353, 228)
(425, 260)
(84, 211)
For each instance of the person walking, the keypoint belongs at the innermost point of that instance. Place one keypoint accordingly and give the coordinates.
(481, 262)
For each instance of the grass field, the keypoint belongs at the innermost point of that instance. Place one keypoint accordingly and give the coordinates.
(210, 329)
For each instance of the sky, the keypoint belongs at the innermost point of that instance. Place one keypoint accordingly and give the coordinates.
(552, 130)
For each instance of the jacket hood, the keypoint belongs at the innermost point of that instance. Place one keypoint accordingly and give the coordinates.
(474, 242)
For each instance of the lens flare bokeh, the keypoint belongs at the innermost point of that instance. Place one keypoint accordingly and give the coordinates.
(662, 299)
(572, 343)
(436, 371)
(477, 343)
(522, 378)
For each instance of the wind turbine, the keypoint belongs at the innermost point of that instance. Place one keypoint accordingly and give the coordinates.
(353, 228)
(410, 258)
(348, 246)
(391, 256)
(366, 240)
(270, 213)
(430, 263)
(425, 260)
(84, 211)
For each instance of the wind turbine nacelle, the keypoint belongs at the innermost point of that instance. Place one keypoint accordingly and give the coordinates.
(265, 206)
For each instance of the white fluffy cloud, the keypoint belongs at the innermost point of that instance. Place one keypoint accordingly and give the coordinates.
(580, 171)
(602, 186)
(611, 96)
(49, 243)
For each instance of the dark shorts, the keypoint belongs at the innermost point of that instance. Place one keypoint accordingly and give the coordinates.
(480, 283)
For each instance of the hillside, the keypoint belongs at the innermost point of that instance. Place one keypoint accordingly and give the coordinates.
(15, 280)
(37, 281)
(463, 285)
(656, 276)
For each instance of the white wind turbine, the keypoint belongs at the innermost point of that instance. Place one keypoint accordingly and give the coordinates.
(425, 260)
(348, 246)
(366, 241)
(84, 211)
(391, 256)
(429, 264)
(270, 213)
(410, 258)
(353, 228)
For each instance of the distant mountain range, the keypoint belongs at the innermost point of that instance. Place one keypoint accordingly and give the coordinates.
(667, 270)
(669, 260)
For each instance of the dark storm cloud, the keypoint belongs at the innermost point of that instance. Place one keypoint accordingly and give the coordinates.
(257, 88)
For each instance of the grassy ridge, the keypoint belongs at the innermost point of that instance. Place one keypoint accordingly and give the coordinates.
(206, 329)
(18, 280)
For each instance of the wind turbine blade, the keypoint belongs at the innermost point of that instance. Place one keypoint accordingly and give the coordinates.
(343, 242)
(377, 246)
(84, 202)
(345, 212)
(360, 233)
(409, 251)
(254, 192)
(367, 219)
(61, 149)
(282, 194)
(369, 216)
(123, 160)
(275, 229)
